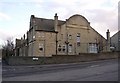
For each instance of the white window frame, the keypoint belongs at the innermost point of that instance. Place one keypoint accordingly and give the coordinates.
(41, 46)
(93, 48)
(78, 37)
(69, 36)
(70, 48)
(64, 47)
(59, 47)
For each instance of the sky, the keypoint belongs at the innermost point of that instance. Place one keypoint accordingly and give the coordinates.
(15, 14)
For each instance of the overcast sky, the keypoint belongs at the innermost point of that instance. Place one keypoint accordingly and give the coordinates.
(15, 15)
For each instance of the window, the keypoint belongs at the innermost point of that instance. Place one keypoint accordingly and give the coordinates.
(70, 36)
(78, 34)
(64, 48)
(78, 43)
(59, 48)
(70, 48)
(93, 48)
(41, 47)
(61, 36)
(78, 39)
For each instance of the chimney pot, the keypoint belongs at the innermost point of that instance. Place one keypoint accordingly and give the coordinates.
(108, 30)
(32, 16)
(55, 14)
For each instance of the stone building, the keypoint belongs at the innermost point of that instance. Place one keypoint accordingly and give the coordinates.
(48, 37)
(115, 41)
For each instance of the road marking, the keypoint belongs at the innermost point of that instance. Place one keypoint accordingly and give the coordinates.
(94, 65)
(30, 66)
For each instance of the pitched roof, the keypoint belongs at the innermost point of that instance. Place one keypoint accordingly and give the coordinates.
(46, 24)
(117, 33)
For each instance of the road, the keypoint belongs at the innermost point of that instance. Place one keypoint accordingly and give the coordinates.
(104, 70)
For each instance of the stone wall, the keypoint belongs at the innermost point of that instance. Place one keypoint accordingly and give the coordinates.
(57, 59)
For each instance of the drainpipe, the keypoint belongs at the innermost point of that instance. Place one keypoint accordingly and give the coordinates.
(44, 50)
(67, 43)
(56, 29)
(56, 42)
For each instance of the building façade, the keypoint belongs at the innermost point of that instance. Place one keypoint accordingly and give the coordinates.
(73, 36)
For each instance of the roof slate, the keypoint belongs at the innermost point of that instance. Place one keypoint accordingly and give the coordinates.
(46, 24)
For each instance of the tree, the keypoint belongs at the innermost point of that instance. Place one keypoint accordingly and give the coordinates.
(8, 48)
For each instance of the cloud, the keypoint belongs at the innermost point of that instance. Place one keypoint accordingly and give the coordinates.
(102, 19)
(102, 14)
(4, 16)
(4, 35)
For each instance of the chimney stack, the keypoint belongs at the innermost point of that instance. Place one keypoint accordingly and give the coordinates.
(108, 35)
(56, 22)
(108, 40)
(24, 36)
